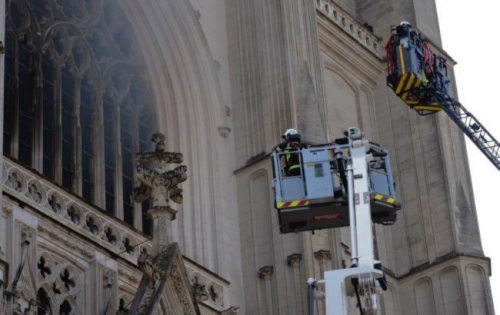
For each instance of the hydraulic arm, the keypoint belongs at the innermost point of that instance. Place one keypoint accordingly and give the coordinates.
(356, 289)
(420, 78)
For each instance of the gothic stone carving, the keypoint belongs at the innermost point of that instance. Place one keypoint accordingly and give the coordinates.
(294, 260)
(323, 255)
(266, 272)
(224, 131)
(199, 291)
(157, 182)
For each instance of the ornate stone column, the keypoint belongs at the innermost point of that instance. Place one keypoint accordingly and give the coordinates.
(294, 261)
(159, 185)
(266, 274)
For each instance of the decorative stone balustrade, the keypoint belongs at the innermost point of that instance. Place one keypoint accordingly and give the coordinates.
(349, 25)
(110, 233)
(69, 210)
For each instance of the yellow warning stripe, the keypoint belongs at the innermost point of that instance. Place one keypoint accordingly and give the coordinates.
(292, 204)
(383, 198)
(400, 84)
(411, 102)
(431, 108)
(407, 82)
(410, 84)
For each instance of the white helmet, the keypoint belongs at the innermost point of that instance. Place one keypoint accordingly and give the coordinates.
(290, 132)
(405, 23)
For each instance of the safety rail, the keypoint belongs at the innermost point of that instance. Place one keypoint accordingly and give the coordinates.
(316, 198)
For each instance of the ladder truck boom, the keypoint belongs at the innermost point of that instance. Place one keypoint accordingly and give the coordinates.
(474, 130)
(420, 78)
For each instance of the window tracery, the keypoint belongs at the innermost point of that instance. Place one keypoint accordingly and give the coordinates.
(43, 268)
(77, 106)
(61, 285)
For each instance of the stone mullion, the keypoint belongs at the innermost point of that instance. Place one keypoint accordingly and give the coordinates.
(14, 143)
(58, 105)
(118, 163)
(78, 137)
(37, 154)
(266, 274)
(100, 158)
(137, 205)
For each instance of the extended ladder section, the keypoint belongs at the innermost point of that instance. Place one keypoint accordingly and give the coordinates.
(420, 78)
(318, 197)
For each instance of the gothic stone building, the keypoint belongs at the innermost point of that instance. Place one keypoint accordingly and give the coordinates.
(86, 84)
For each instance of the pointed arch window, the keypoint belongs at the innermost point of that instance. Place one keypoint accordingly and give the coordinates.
(76, 104)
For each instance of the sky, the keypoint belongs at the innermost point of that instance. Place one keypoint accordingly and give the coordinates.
(470, 35)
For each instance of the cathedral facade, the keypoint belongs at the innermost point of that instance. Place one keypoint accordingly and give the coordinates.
(88, 82)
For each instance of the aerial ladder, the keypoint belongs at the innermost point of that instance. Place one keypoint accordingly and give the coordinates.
(420, 78)
(348, 183)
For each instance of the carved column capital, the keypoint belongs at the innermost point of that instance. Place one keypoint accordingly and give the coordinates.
(224, 131)
(266, 272)
(323, 255)
(294, 260)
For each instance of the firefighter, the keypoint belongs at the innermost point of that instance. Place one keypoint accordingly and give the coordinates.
(403, 31)
(291, 147)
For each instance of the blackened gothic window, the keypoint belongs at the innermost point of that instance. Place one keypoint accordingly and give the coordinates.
(77, 106)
